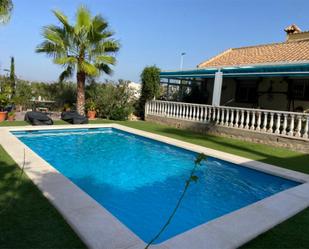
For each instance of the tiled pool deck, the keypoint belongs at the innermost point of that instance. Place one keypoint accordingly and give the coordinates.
(100, 229)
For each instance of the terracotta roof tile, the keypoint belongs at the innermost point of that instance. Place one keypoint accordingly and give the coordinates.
(291, 51)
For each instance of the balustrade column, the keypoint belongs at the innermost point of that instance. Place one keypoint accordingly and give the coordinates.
(305, 135)
(265, 122)
(198, 113)
(218, 115)
(205, 113)
(193, 114)
(181, 110)
(187, 111)
(298, 127)
(242, 119)
(213, 113)
(232, 118)
(258, 123)
(252, 127)
(236, 119)
(291, 132)
(227, 117)
(190, 112)
(222, 116)
(277, 131)
(247, 120)
(285, 123)
(271, 123)
(202, 113)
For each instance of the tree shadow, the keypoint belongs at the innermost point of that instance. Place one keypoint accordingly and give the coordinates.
(28, 220)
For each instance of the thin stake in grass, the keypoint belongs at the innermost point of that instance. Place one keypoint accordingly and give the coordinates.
(192, 178)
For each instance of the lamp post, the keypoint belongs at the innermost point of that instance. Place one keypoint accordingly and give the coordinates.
(181, 59)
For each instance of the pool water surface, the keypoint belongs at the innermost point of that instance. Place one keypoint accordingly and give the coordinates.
(139, 180)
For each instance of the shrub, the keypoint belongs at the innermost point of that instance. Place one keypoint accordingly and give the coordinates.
(150, 78)
(120, 113)
(113, 101)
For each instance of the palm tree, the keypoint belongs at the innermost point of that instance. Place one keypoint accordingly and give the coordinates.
(86, 48)
(6, 7)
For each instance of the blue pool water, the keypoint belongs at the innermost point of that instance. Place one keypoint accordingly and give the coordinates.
(140, 180)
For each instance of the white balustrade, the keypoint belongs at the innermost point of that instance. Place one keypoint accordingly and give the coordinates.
(258, 122)
(271, 123)
(281, 123)
(252, 127)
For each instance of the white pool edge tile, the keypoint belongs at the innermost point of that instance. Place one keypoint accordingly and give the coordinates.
(81, 211)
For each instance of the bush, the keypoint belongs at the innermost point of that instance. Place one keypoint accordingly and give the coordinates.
(150, 78)
(120, 113)
(113, 101)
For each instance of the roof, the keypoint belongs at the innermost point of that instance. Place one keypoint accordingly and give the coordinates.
(285, 52)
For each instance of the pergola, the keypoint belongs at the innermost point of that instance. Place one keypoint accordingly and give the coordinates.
(299, 69)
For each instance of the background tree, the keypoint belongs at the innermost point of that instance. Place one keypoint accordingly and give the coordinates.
(6, 8)
(86, 48)
(12, 76)
(150, 78)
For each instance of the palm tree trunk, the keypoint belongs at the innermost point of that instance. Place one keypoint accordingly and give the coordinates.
(80, 105)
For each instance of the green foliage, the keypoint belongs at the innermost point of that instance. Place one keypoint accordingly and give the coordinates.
(120, 113)
(90, 105)
(5, 93)
(60, 92)
(112, 101)
(87, 47)
(23, 94)
(150, 78)
(12, 75)
(6, 8)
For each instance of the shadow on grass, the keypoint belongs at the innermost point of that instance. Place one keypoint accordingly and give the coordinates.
(28, 220)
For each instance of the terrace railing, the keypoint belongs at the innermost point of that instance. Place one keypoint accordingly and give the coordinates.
(291, 124)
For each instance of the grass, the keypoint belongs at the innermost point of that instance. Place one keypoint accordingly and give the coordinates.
(32, 212)
(27, 219)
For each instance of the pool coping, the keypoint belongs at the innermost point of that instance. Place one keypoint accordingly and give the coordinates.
(98, 228)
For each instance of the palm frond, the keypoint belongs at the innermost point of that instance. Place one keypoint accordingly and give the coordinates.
(50, 49)
(6, 8)
(63, 19)
(67, 73)
(109, 46)
(104, 68)
(88, 68)
(105, 59)
(99, 23)
(55, 35)
(83, 20)
(67, 60)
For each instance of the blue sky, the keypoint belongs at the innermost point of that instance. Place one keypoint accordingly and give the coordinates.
(152, 31)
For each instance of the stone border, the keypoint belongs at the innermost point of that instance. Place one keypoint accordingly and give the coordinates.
(100, 229)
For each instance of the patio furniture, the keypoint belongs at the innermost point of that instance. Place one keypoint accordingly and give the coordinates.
(73, 117)
(38, 118)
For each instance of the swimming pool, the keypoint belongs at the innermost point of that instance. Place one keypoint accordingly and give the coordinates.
(139, 180)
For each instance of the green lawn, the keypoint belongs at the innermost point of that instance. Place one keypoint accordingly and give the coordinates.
(31, 222)
(27, 219)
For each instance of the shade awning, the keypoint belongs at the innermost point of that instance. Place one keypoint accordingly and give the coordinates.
(271, 70)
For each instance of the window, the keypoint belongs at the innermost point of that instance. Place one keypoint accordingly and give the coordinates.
(246, 92)
(301, 89)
